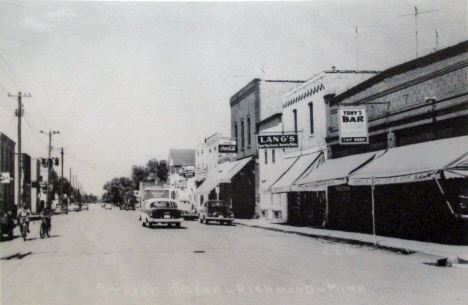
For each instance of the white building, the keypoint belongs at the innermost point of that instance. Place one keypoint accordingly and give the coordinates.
(304, 112)
(181, 163)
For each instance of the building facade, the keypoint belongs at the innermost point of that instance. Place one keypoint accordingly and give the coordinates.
(303, 113)
(181, 163)
(257, 101)
(7, 169)
(409, 181)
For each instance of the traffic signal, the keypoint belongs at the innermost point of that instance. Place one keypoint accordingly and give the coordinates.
(56, 161)
(44, 162)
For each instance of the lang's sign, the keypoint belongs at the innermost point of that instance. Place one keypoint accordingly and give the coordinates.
(277, 141)
(353, 125)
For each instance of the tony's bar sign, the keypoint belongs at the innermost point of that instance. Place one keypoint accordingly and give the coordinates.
(277, 141)
(353, 125)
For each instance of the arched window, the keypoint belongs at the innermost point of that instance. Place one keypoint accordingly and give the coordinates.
(242, 136)
(249, 136)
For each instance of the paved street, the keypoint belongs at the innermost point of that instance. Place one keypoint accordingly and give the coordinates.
(107, 257)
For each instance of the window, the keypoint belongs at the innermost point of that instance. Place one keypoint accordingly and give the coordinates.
(295, 120)
(273, 157)
(242, 135)
(236, 133)
(311, 116)
(266, 156)
(249, 137)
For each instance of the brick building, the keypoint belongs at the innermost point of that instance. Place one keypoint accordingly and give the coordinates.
(410, 180)
(257, 101)
(7, 165)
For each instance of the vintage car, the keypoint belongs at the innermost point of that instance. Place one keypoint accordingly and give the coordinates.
(189, 212)
(8, 224)
(73, 207)
(162, 211)
(108, 206)
(216, 210)
(130, 206)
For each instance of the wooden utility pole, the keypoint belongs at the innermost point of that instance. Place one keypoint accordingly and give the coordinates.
(49, 166)
(61, 182)
(19, 114)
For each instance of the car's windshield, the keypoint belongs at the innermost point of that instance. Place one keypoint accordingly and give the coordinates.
(217, 204)
(163, 204)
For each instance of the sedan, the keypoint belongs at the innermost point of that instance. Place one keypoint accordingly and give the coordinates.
(161, 210)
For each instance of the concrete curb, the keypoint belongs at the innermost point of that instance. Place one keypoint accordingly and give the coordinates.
(436, 259)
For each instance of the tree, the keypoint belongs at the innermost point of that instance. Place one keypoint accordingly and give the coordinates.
(117, 189)
(157, 170)
(139, 173)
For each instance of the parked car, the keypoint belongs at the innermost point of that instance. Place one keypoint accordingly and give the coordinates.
(60, 209)
(122, 206)
(7, 225)
(189, 212)
(108, 206)
(161, 210)
(103, 205)
(84, 206)
(216, 210)
(73, 207)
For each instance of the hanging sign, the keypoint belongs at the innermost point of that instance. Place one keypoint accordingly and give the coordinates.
(353, 125)
(277, 141)
(227, 147)
(5, 178)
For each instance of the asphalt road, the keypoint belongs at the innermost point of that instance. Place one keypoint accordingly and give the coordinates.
(106, 257)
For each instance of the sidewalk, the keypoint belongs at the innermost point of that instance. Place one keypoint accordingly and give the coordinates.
(455, 254)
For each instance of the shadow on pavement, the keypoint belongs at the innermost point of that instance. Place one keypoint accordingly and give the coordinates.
(17, 256)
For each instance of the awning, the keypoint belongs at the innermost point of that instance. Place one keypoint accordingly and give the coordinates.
(333, 172)
(417, 162)
(279, 170)
(301, 167)
(224, 175)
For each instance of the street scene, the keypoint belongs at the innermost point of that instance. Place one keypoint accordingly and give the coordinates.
(107, 257)
(234, 152)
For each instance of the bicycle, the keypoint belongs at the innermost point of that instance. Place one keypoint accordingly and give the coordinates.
(45, 227)
(23, 227)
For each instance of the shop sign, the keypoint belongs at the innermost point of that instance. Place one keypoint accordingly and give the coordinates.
(277, 141)
(353, 125)
(227, 148)
(5, 178)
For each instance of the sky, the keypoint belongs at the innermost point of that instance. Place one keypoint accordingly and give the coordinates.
(124, 82)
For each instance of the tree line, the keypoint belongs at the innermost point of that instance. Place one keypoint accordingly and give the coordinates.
(121, 188)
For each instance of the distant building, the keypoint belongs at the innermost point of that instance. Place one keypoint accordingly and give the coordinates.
(181, 164)
(7, 169)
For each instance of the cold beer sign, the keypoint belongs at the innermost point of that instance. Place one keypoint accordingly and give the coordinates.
(277, 141)
(353, 125)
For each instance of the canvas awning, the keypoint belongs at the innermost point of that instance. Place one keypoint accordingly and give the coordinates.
(333, 172)
(280, 169)
(301, 167)
(224, 175)
(417, 162)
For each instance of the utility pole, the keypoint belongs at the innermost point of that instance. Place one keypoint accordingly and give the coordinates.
(19, 114)
(61, 182)
(49, 165)
(416, 13)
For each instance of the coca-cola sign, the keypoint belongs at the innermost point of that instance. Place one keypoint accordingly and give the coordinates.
(227, 148)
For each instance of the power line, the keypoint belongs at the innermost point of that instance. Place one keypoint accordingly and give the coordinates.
(12, 73)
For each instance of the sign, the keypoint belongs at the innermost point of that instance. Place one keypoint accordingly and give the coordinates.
(136, 193)
(278, 141)
(226, 146)
(5, 178)
(353, 125)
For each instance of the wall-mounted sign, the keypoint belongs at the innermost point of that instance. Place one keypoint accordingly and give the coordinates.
(277, 141)
(227, 148)
(5, 178)
(353, 125)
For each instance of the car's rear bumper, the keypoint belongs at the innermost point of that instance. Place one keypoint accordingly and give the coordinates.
(165, 220)
(219, 219)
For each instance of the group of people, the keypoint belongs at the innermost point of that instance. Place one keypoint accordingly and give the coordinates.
(24, 214)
